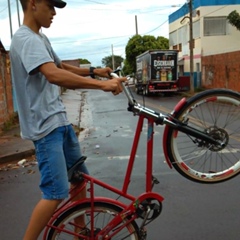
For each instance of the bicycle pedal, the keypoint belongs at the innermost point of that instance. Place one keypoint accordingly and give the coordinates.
(155, 180)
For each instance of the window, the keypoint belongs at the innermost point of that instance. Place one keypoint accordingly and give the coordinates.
(215, 26)
(177, 47)
(173, 38)
(196, 29)
(185, 34)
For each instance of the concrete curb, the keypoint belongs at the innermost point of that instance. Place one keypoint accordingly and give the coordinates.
(17, 156)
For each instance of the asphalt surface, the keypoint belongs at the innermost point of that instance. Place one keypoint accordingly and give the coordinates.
(190, 210)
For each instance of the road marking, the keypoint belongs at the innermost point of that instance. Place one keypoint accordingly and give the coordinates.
(121, 157)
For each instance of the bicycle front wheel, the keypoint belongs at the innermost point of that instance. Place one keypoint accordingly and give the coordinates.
(65, 226)
(217, 113)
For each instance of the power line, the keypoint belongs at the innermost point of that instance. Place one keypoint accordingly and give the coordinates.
(89, 40)
(108, 38)
(95, 2)
(157, 27)
(102, 49)
(98, 50)
(11, 3)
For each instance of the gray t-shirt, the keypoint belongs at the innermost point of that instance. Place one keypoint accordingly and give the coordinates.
(40, 107)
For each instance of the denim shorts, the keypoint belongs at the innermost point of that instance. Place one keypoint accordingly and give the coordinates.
(56, 153)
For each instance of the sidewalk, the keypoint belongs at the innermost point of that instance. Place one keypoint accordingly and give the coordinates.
(13, 147)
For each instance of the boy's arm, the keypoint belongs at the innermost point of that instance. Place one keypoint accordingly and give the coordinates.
(68, 79)
(101, 72)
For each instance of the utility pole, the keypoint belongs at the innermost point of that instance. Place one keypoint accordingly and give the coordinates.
(136, 24)
(10, 18)
(18, 13)
(191, 45)
(113, 63)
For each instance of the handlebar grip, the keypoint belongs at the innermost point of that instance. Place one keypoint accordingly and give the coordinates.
(113, 74)
(126, 91)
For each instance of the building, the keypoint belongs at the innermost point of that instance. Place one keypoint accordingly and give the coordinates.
(74, 62)
(6, 98)
(216, 46)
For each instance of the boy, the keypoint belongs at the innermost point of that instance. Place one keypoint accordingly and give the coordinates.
(37, 73)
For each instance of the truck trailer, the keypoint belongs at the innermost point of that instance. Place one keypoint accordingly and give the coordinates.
(156, 72)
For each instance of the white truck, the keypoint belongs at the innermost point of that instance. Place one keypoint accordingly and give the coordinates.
(156, 71)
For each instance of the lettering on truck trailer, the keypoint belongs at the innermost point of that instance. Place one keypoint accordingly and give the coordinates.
(165, 63)
(139, 65)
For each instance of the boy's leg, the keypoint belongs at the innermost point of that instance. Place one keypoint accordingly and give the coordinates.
(55, 153)
(73, 154)
(54, 181)
(40, 217)
(79, 221)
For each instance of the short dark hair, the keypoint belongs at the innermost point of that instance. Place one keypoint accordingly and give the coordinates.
(24, 4)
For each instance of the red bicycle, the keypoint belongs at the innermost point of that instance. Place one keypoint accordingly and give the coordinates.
(200, 140)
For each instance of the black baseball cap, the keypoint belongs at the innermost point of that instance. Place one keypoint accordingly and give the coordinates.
(59, 3)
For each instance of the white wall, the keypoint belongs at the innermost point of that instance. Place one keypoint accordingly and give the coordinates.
(206, 45)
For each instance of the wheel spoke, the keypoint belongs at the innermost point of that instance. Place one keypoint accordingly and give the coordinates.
(217, 114)
(103, 213)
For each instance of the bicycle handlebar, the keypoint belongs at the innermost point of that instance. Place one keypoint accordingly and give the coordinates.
(127, 93)
(137, 108)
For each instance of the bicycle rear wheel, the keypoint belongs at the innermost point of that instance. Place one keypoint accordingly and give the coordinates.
(103, 214)
(216, 112)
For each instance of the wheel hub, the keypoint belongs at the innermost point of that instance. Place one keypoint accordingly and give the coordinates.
(220, 135)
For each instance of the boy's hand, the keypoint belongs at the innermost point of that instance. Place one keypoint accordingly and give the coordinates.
(114, 85)
(103, 72)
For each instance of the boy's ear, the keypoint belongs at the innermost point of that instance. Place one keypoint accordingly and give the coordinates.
(33, 5)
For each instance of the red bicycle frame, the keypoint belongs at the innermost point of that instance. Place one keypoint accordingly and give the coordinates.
(127, 209)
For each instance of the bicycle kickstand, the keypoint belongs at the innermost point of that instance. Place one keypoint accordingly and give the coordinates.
(154, 181)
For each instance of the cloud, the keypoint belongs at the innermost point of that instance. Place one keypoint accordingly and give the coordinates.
(89, 29)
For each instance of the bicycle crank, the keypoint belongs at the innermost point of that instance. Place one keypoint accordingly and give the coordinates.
(149, 210)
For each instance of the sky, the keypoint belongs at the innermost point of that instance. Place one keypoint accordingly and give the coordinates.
(92, 29)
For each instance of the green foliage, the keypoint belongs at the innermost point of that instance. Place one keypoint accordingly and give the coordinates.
(84, 61)
(138, 45)
(126, 69)
(163, 43)
(107, 61)
(234, 19)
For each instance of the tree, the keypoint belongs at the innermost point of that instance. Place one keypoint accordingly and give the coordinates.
(234, 19)
(84, 61)
(107, 61)
(138, 45)
(127, 69)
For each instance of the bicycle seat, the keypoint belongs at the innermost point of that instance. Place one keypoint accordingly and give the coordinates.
(74, 174)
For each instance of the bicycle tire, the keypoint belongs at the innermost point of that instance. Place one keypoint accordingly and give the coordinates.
(216, 112)
(103, 213)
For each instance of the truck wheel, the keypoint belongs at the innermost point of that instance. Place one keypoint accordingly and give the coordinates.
(137, 89)
(145, 91)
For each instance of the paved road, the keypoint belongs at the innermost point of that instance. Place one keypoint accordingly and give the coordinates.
(190, 210)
